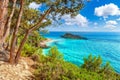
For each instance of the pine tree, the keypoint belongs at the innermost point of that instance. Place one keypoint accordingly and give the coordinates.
(19, 20)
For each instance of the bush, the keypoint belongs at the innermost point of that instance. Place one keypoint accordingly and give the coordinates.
(92, 63)
(28, 50)
(55, 68)
(54, 55)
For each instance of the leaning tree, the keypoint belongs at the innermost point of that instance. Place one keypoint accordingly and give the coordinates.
(21, 18)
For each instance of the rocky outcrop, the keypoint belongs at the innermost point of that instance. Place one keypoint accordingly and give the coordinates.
(43, 44)
(72, 36)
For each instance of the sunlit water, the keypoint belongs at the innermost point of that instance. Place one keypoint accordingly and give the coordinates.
(105, 44)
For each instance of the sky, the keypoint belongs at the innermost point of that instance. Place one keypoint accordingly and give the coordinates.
(95, 16)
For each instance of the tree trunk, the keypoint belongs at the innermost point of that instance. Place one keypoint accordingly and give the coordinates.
(7, 26)
(3, 14)
(20, 47)
(14, 37)
(27, 34)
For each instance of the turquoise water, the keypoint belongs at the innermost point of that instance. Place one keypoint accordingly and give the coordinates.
(105, 44)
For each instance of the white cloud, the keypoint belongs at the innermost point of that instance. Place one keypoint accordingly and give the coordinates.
(110, 26)
(34, 5)
(118, 19)
(78, 20)
(111, 22)
(107, 10)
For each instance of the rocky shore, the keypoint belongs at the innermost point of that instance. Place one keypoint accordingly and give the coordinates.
(43, 44)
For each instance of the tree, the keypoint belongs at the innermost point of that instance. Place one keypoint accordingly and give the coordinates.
(3, 14)
(23, 22)
(92, 63)
(55, 7)
(12, 49)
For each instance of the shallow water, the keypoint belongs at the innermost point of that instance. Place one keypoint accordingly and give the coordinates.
(105, 44)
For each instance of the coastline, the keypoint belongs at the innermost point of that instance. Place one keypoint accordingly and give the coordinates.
(100, 43)
(43, 44)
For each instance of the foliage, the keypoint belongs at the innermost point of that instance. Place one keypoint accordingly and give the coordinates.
(54, 55)
(32, 45)
(53, 67)
(38, 56)
(28, 50)
(92, 63)
(35, 38)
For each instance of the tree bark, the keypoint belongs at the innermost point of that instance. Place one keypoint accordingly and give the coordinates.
(3, 14)
(14, 37)
(27, 34)
(20, 47)
(7, 26)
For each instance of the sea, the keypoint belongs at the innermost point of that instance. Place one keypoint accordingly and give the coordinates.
(104, 44)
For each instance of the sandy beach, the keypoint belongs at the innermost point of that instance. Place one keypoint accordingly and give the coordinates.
(44, 43)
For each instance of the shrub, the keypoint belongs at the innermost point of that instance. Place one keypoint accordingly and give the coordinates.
(55, 68)
(92, 63)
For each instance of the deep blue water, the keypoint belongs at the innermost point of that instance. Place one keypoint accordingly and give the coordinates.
(105, 44)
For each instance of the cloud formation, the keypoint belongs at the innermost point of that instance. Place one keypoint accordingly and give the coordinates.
(118, 19)
(95, 24)
(34, 5)
(107, 10)
(78, 20)
(111, 24)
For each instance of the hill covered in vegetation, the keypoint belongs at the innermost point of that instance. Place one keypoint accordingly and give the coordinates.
(53, 67)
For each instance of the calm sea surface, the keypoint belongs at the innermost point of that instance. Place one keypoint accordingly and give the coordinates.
(105, 44)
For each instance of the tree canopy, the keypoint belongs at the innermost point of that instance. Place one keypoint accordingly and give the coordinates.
(23, 19)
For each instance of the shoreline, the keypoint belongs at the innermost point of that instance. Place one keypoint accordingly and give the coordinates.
(43, 44)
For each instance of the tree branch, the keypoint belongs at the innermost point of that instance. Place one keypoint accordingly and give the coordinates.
(27, 34)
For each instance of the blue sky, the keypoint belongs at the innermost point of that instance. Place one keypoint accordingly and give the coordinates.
(95, 16)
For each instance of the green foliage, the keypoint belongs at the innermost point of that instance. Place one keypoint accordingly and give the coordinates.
(31, 16)
(92, 63)
(106, 68)
(38, 56)
(54, 55)
(32, 45)
(35, 38)
(28, 50)
(53, 67)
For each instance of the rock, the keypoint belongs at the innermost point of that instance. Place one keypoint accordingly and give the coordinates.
(72, 36)
(44, 46)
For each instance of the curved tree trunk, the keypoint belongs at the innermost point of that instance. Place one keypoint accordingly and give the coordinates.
(3, 14)
(27, 34)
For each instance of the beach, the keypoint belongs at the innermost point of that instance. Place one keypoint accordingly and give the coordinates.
(105, 44)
